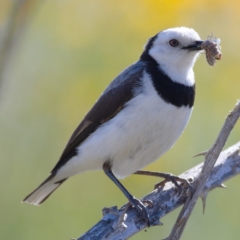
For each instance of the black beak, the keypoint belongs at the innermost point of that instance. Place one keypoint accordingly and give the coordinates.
(194, 47)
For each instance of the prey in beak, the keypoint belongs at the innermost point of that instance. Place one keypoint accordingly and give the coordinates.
(210, 46)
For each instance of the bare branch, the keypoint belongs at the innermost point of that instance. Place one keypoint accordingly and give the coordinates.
(210, 160)
(124, 223)
(118, 224)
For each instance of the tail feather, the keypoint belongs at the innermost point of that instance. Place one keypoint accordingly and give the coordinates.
(41, 193)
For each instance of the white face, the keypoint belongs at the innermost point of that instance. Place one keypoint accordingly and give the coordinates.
(168, 48)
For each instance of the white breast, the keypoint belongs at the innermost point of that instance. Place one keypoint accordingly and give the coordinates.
(144, 130)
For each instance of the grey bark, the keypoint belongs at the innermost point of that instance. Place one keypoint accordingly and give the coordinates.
(210, 160)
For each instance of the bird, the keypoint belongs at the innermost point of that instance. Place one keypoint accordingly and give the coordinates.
(137, 118)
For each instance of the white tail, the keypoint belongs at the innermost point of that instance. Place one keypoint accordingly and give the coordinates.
(40, 194)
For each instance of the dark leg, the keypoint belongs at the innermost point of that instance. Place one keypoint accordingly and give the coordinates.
(168, 177)
(139, 205)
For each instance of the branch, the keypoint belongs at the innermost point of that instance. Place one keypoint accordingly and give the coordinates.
(210, 160)
(124, 223)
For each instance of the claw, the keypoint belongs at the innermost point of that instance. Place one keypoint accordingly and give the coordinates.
(168, 177)
(175, 179)
(148, 202)
(141, 208)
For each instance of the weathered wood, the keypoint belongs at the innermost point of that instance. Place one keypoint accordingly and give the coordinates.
(119, 226)
(210, 160)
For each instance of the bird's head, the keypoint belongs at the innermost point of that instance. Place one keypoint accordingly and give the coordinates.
(175, 50)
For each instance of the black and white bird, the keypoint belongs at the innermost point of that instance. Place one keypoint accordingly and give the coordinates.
(137, 118)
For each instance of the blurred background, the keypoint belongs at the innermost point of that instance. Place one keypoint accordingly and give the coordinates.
(56, 58)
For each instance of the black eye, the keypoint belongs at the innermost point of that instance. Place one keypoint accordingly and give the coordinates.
(173, 42)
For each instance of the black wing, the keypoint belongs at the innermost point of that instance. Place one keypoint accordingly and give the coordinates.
(107, 106)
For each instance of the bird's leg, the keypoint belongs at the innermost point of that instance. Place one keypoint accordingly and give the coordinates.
(168, 177)
(138, 204)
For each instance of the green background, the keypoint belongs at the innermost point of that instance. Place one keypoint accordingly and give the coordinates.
(66, 56)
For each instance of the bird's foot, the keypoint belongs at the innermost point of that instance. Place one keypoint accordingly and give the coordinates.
(141, 208)
(175, 179)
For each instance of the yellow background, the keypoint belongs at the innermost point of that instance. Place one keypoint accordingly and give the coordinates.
(67, 54)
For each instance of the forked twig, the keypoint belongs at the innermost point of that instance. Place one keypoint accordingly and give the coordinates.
(210, 160)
